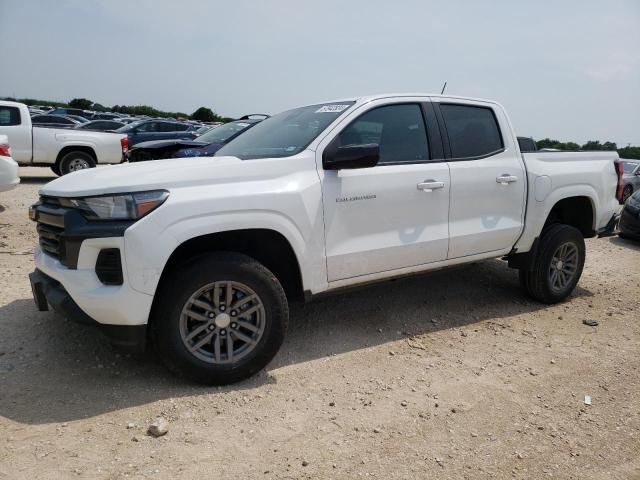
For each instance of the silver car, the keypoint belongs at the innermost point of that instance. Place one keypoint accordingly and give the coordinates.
(631, 177)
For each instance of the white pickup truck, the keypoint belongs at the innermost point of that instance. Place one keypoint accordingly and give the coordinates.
(202, 256)
(64, 150)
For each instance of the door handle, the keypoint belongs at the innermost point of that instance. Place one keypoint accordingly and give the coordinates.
(506, 179)
(430, 185)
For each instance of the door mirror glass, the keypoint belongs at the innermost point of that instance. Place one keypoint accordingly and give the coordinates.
(351, 156)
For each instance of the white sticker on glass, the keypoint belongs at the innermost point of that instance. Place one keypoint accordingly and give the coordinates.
(332, 108)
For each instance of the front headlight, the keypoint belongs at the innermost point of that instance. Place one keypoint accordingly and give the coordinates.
(129, 206)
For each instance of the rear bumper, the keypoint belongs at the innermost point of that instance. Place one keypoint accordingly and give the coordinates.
(49, 292)
(610, 227)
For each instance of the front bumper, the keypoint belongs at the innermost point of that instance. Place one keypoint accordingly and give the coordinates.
(630, 222)
(106, 304)
(48, 291)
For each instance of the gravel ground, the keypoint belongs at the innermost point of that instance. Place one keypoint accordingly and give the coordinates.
(450, 375)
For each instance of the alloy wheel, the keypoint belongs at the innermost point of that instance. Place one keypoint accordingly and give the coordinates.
(222, 322)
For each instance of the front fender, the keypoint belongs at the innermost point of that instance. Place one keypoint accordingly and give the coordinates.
(146, 259)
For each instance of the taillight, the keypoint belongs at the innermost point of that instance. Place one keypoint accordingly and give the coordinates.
(620, 172)
(5, 150)
(124, 144)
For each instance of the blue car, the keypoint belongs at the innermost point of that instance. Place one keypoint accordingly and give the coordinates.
(147, 130)
(205, 145)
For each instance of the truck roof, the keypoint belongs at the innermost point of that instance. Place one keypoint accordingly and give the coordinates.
(369, 98)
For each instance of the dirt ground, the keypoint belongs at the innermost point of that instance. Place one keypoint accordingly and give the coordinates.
(450, 375)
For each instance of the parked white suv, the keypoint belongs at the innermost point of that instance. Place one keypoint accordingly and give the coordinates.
(202, 256)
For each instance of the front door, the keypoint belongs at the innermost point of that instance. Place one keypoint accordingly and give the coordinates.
(393, 215)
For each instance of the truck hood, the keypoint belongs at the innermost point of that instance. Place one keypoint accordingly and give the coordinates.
(136, 177)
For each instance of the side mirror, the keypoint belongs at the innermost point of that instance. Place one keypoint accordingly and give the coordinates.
(351, 156)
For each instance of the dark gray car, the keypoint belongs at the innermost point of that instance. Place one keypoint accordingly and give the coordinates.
(631, 177)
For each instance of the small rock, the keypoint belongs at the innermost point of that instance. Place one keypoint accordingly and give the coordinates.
(589, 322)
(135, 439)
(403, 403)
(474, 434)
(158, 428)
(131, 425)
(440, 461)
(392, 353)
(553, 361)
(305, 463)
(332, 404)
(377, 430)
(520, 456)
(587, 400)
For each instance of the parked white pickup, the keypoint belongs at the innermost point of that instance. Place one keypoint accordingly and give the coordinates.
(64, 150)
(208, 252)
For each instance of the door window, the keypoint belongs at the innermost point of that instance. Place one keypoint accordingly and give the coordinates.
(9, 116)
(472, 131)
(399, 130)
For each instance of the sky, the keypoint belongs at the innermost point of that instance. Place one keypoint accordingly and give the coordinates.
(569, 70)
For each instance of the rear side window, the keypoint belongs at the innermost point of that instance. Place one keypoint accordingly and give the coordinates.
(148, 127)
(9, 116)
(399, 130)
(179, 127)
(473, 131)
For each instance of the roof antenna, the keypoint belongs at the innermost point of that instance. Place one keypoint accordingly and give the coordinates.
(443, 87)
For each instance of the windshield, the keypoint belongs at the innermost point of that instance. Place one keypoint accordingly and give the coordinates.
(286, 133)
(223, 132)
(629, 167)
(129, 127)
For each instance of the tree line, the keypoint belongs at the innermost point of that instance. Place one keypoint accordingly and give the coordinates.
(202, 114)
(592, 145)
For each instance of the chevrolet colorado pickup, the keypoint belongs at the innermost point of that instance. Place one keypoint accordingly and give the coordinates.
(200, 257)
(64, 150)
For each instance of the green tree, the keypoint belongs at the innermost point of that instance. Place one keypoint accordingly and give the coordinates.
(81, 103)
(629, 152)
(547, 143)
(204, 114)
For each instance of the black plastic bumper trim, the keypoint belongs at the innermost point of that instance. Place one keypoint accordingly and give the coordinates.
(48, 291)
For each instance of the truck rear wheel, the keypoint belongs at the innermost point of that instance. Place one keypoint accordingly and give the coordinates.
(219, 318)
(74, 161)
(557, 266)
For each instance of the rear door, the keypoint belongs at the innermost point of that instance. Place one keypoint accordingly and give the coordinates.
(13, 126)
(488, 177)
(393, 215)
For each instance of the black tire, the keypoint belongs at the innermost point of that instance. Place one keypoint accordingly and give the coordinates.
(76, 160)
(178, 289)
(56, 169)
(537, 281)
(626, 193)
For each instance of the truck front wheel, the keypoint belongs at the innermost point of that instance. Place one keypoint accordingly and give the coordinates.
(74, 161)
(219, 318)
(557, 266)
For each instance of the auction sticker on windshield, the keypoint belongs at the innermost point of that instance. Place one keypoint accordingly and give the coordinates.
(332, 108)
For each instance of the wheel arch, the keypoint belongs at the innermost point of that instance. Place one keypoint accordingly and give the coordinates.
(269, 247)
(76, 148)
(577, 211)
